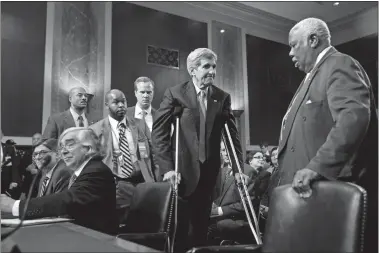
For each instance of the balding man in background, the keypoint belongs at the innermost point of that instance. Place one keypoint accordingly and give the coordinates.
(73, 117)
(330, 130)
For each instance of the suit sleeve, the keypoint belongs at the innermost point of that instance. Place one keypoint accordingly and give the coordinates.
(349, 103)
(231, 122)
(235, 208)
(81, 197)
(51, 130)
(161, 134)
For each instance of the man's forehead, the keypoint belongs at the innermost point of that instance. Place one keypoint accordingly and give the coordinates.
(144, 86)
(40, 148)
(204, 61)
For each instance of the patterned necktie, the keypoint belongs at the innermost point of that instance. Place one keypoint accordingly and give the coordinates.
(44, 186)
(127, 166)
(72, 180)
(202, 146)
(80, 119)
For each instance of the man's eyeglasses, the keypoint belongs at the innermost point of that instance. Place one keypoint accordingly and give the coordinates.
(258, 157)
(68, 147)
(42, 153)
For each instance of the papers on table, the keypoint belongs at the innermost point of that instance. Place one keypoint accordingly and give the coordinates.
(15, 222)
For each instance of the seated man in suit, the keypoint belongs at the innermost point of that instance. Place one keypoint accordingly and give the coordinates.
(11, 171)
(228, 214)
(127, 150)
(144, 92)
(73, 117)
(90, 197)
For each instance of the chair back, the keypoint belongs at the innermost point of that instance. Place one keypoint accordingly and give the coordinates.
(151, 209)
(331, 220)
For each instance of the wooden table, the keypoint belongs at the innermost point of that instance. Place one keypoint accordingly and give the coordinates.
(68, 237)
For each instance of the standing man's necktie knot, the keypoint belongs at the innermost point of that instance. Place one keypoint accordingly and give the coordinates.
(80, 120)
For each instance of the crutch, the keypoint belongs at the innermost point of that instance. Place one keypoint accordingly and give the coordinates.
(176, 113)
(243, 189)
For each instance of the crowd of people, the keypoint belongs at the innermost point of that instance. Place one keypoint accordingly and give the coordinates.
(89, 170)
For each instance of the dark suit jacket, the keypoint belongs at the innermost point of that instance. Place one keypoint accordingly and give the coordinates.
(59, 180)
(219, 112)
(91, 200)
(326, 134)
(132, 110)
(230, 200)
(104, 131)
(59, 122)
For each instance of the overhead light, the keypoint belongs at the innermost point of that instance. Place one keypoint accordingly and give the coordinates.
(222, 31)
(336, 3)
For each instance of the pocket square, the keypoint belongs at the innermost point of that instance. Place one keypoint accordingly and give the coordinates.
(308, 102)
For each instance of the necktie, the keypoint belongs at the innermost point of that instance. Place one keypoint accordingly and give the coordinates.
(80, 119)
(202, 146)
(127, 167)
(44, 186)
(72, 180)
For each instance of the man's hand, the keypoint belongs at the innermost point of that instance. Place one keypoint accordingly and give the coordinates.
(245, 178)
(6, 203)
(13, 185)
(302, 182)
(171, 175)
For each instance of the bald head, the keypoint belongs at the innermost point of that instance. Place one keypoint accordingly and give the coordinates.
(116, 103)
(37, 137)
(78, 98)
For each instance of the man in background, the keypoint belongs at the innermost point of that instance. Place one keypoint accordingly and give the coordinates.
(144, 92)
(127, 150)
(75, 116)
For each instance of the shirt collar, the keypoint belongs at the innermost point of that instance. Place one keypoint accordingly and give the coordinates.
(139, 110)
(80, 169)
(75, 115)
(114, 123)
(320, 55)
(198, 89)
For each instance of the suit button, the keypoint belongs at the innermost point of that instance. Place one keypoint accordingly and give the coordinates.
(292, 149)
(304, 118)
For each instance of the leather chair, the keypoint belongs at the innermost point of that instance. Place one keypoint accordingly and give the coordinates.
(331, 220)
(150, 217)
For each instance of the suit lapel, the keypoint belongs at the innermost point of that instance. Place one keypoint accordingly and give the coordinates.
(68, 119)
(228, 183)
(213, 106)
(189, 95)
(302, 91)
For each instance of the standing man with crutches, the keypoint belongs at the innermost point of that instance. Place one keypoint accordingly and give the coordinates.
(205, 110)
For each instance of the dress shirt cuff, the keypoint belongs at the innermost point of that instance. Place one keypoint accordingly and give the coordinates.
(15, 208)
(219, 211)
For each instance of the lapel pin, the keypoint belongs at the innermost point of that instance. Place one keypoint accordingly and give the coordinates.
(214, 100)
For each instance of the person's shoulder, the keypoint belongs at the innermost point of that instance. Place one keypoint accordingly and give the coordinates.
(96, 165)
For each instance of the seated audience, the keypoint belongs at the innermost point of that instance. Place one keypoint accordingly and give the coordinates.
(228, 218)
(90, 197)
(11, 174)
(54, 176)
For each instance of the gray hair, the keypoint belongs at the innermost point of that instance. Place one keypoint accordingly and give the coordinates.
(143, 79)
(194, 58)
(88, 138)
(313, 26)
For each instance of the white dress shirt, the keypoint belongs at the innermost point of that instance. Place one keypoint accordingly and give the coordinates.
(206, 94)
(116, 139)
(76, 116)
(138, 114)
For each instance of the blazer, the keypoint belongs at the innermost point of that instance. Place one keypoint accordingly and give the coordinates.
(332, 117)
(132, 110)
(59, 122)
(230, 200)
(91, 200)
(104, 131)
(59, 180)
(218, 113)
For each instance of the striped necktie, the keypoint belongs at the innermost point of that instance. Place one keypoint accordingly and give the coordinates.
(72, 180)
(81, 123)
(44, 186)
(127, 166)
(202, 146)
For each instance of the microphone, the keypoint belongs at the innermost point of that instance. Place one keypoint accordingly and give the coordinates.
(22, 215)
(177, 111)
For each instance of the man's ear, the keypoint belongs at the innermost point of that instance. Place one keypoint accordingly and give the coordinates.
(314, 41)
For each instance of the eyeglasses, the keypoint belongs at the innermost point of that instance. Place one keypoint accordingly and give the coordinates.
(258, 157)
(42, 153)
(68, 147)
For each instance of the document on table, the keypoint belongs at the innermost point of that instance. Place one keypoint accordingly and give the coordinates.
(15, 222)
